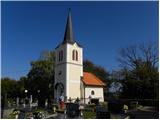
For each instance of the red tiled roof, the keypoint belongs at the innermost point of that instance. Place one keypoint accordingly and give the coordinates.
(92, 80)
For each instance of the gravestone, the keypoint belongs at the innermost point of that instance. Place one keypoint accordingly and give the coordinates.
(24, 104)
(72, 110)
(30, 101)
(46, 103)
(21, 115)
(102, 113)
(17, 101)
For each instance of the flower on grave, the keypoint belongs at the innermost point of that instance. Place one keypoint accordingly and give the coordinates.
(29, 115)
(40, 115)
(16, 112)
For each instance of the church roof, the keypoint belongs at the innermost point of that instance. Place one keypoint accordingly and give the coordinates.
(68, 36)
(91, 80)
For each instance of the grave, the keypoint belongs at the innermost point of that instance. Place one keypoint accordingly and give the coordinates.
(72, 110)
(21, 115)
(102, 113)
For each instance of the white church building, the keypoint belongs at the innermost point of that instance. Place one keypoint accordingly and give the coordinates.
(70, 79)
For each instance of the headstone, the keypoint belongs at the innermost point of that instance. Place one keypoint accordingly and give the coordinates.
(8, 104)
(30, 101)
(24, 104)
(72, 110)
(46, 103)
(102, 113)
(21, 115)
(17, 102)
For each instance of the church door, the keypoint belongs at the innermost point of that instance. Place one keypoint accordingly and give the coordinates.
(59, 90)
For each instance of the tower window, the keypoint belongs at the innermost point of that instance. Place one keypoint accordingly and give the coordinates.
(75, 55)
(61, 55)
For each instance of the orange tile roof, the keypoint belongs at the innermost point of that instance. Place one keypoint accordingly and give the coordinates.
(90, 79)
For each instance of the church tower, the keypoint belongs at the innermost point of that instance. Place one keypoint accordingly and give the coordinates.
(68, 65)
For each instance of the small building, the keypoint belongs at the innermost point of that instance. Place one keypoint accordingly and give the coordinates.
(70, 80)
(92, 88)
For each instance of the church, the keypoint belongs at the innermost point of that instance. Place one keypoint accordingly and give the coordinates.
(70, 79)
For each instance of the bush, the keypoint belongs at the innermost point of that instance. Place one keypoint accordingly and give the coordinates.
(104, 104)
(90, 107)
(89, 115)
(13, 114)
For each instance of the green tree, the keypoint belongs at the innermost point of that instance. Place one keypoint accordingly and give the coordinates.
(8, 86)
(99, 71)
(41, 78)
(22, 85)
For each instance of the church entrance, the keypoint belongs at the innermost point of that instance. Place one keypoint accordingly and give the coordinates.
(59, 90)
(95, 101)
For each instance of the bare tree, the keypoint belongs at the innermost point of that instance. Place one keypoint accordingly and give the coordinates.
(139, 55)
(47, 55)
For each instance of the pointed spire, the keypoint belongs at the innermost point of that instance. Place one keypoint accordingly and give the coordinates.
(68, 37)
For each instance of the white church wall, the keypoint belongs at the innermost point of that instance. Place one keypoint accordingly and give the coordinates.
(74, 74)
(98, 93)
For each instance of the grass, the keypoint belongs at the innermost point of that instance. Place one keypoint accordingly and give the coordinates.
(11, 116)
(60, 111)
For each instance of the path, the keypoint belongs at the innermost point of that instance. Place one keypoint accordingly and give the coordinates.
(146, 112)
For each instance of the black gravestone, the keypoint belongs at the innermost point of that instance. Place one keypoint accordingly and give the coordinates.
(102, 113)
(21, 115)
(72, 110)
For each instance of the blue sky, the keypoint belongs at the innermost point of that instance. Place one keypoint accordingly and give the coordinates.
(28, 28)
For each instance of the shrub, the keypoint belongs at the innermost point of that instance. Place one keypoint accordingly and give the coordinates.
(13, 114)
(90, 107)
(104, 104)
(89, 115)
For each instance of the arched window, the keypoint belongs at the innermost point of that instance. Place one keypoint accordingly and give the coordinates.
(61, 55)
(92, 92)
(73, 55)
(57, 57)
(76, 55)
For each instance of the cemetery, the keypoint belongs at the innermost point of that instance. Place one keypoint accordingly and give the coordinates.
(77, 110)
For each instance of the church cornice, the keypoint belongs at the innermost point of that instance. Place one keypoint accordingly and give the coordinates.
(68, 63)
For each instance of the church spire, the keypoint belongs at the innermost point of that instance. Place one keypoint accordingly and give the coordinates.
(68, 37)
